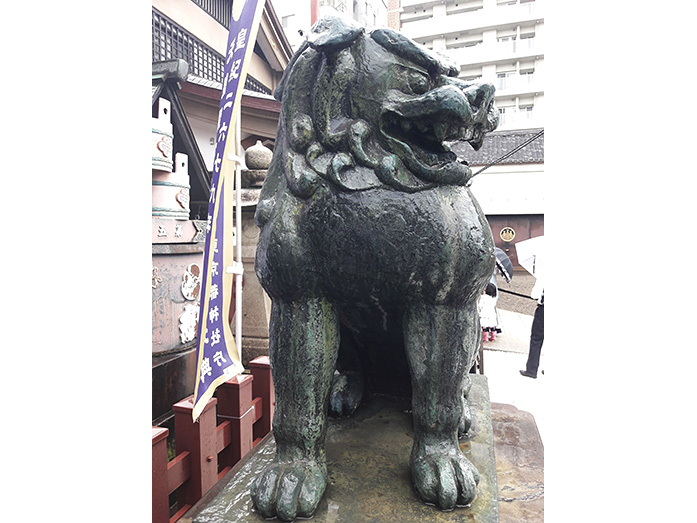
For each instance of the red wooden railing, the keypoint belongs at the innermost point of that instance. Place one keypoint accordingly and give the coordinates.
(227, 429)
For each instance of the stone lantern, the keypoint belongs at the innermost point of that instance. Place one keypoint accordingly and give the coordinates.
(256, 305)
(257, 158)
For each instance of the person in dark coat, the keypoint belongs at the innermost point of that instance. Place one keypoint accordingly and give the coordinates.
(537, 336)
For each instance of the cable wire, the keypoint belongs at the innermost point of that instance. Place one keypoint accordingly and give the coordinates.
(510, 153)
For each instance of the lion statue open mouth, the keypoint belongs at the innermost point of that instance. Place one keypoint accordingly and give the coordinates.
(374, 253)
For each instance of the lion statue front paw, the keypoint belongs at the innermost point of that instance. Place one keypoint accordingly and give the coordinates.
(443, 476)
(289, 490)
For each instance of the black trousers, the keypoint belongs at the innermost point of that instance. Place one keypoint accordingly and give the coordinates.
(537, 336)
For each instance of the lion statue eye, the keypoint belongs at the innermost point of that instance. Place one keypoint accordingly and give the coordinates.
(419, 83)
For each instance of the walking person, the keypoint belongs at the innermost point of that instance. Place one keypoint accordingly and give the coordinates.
(537, 336)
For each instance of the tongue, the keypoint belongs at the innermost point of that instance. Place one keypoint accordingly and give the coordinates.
(433, 158)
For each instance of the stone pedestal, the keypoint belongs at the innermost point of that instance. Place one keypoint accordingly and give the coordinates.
(369, 476)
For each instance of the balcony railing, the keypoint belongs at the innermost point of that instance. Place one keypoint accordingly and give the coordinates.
(493, 52)
(513, 45)
(170, 40)
(512, 118)
(514, 81)
(527, 7)
(525, 15)
(220, 10)
(420, 3)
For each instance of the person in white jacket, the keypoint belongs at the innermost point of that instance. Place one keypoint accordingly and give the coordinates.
(488, 317)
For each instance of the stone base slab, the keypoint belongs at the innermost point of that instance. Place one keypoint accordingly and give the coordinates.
(519, 465)
(369, 476)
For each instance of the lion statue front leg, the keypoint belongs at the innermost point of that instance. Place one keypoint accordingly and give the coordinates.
(440, 342)
(304, 341)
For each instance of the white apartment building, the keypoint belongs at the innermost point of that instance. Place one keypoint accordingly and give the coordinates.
(296, 15)
(495, 41)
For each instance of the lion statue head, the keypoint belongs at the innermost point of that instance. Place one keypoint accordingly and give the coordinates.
(380, 110)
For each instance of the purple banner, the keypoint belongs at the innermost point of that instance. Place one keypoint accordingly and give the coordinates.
(217, 356)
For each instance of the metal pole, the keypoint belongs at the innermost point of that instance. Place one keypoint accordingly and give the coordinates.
(238, 233)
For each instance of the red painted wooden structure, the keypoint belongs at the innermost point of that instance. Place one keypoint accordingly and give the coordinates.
(227, 429)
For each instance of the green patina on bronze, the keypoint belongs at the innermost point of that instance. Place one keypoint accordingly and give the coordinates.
(374, 252)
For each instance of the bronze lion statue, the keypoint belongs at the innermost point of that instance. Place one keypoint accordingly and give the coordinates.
(374, 252)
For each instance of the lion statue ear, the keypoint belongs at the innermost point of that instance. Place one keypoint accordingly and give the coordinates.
(330, 34)
(333, 33)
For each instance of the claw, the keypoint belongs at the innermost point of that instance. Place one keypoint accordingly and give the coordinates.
(289, 490)
(447, 486)
(444, 477)
(287, 497)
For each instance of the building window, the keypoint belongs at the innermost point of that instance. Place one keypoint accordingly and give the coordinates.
(525, 112)
(502, 115)
(504, 80)
(508, 43)
(527, 77)
(526, 41)
(505, 114)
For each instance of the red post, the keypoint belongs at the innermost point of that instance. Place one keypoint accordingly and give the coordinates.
(314, 11)
(235, 406)
(160, 492)
(199, 439)
(262, 387)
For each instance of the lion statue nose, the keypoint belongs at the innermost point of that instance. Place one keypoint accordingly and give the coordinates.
(481, 101)
(479, 96)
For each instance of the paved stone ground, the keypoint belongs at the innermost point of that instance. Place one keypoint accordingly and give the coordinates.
(521, 283)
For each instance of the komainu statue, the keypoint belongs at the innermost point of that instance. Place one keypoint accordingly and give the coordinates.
(374, 252)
